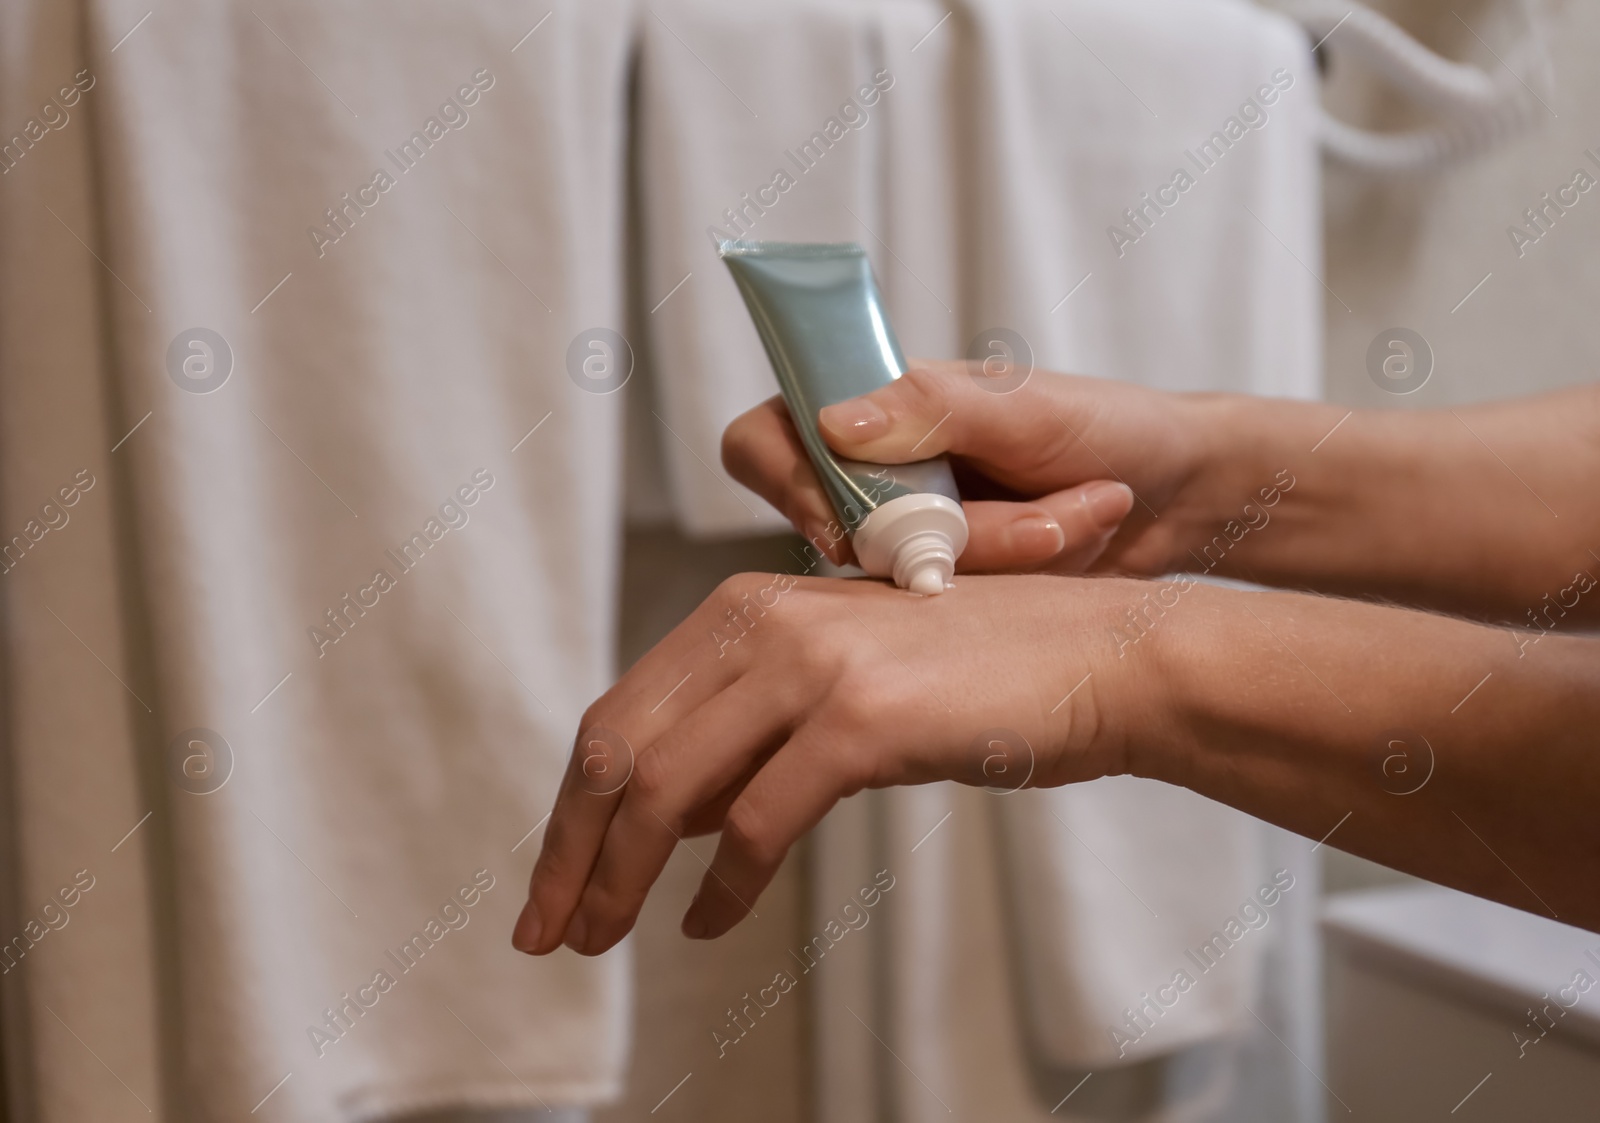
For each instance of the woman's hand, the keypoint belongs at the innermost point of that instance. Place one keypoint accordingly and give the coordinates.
(1406, 732)
(1052, 470)
(780, 696)
(1483, 511)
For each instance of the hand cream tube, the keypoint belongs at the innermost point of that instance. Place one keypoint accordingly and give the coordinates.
(820, 316)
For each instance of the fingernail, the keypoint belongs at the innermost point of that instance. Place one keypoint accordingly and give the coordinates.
(1034, 537)
(1108, 503)
(525, 936)
(577, 933)
(858, 419)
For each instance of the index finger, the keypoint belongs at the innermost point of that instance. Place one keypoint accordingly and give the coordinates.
(663, 686)
(762, 450)
(1019, 438)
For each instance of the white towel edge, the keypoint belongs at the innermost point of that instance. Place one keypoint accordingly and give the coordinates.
(376, 1104)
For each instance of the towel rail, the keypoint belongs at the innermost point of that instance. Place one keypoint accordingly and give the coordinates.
(1481, 110)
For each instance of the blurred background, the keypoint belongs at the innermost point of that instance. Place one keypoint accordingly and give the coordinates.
(361, 377)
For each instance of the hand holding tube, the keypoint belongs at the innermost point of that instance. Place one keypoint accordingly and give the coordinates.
(1280, 704)
(1052, 471)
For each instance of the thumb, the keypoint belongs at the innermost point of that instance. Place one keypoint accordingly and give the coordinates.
(939, 407)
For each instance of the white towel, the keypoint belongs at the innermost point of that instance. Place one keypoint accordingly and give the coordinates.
(404, 373)
(1049, 155)
(76, 977)
(732, 99)
(986, 185)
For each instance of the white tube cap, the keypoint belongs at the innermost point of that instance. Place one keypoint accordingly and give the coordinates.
(914, 539)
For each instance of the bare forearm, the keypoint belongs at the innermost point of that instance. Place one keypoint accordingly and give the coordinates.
(1433, 745)
(1487, 511)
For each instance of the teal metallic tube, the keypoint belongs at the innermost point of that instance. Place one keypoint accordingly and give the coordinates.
(821, 318)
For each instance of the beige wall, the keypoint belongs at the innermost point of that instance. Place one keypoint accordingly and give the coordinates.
(1405, 254)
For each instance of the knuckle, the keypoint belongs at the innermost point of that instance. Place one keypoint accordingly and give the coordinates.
(747, 831)
(652, 777)
(816, 652)
(868, 715)
(556, 864)
(852, 706)
(920, 390)
(594, 717)
(550, 865)
(850, 768)
(603, 906)
(736, 449)
(732, 591)
(747, 603)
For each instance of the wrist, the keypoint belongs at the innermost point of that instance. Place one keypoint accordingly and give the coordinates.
(1240, 440)
(1125, 722)
(1249, 454)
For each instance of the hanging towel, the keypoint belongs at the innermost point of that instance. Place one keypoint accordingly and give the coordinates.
(754, 121)
(1058, 156)
(313, 338)
(1105, 888)
(77, 935)
(1010, 176)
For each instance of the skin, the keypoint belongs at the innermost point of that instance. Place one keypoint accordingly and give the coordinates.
(1458, 747)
